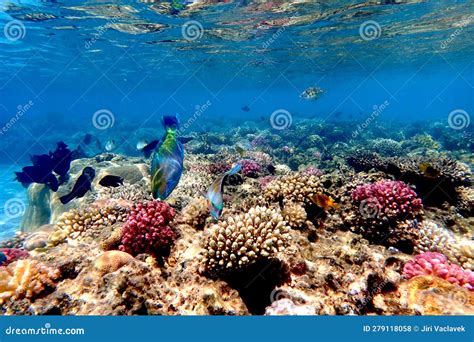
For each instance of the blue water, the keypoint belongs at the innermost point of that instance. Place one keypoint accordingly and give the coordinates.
(68, 61)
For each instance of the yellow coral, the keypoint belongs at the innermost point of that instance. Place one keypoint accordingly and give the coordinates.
(25, 279)
(430, 295)
(111, 261)
(294, 214)
(196, 213)
(296, 188)
(87, 224)
(241, 240)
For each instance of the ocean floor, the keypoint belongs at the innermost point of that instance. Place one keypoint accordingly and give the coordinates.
(335, 223)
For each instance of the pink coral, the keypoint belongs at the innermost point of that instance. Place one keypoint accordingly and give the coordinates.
(312, 171)
(432, 263)
(264, 181)
(392, 199)
(250, 168)
(13, 254)
(147, 229)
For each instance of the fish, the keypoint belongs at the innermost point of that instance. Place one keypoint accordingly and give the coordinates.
(428, 170)
(214, 195)
(110, 145)
(312, 93)
(167, 160)
(111, 181)
(141, 144)
(3, 258)
(149, 148)
(245, 108)
(44, 165)
(324, 202)
(81, 187)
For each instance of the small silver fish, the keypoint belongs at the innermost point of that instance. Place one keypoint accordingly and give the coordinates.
(110, 145)
(141, 144)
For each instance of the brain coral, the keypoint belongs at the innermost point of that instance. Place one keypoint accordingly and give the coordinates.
(243, 239)
(25, 279)
(147, 229)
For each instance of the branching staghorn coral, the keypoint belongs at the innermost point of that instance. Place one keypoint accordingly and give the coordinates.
(26, 279)
(241, 240)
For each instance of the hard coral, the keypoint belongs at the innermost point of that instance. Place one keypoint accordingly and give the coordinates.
(296, 188)
(87, 224)
(390, 199)
(294, 214)
(241, 240)
(25, 279)
(250, 168)
(196, 213)
(432, 263)
(147, 229)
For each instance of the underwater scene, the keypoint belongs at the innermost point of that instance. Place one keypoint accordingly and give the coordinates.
(231, 157)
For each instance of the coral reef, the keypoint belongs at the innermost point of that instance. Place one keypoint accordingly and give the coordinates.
(196, 213)
(296, 188)
(147, 229)
(286, 307)
(13, 254)
(294, 214)
(240, 241)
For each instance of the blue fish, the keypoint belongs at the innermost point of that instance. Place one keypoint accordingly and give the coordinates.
(214, 194)
(3, 258)
(167, 160)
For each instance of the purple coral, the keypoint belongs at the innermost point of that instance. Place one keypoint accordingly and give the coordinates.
(392, 199)
(436, 264)
(264, 181)
(250, 168)
(147, 229)
(12, 254)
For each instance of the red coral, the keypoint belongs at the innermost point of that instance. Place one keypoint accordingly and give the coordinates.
(250, 168)
(12, 254)
(432, 263)
(392, 199)
(147, 229)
